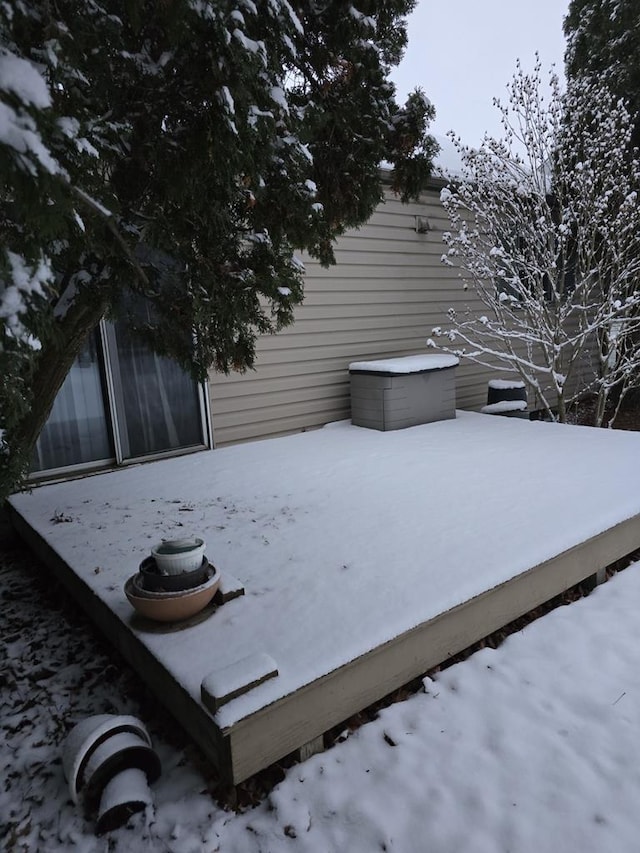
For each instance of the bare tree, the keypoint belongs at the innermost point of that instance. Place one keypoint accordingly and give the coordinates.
(545, 230)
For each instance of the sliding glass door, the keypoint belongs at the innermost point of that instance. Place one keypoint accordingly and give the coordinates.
(157, 405)
(77, 432)
(120, 402)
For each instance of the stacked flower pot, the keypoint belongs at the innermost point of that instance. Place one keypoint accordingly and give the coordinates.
(175, 582)
(109, 764)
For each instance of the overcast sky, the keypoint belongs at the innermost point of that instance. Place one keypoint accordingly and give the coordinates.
(463, 52)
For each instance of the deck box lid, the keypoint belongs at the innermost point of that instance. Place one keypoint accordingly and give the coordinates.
(404, 365)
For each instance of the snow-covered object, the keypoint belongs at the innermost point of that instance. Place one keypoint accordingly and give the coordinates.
(28, 282)
(118, 752)
(448, 162)
(405, 364)
(509, 391)
(22, 79)
(86, 736)
(175, 556)
(124, 795)
(505, 384)
(108, 759)
(225, 684)
(230, 587)
(504, 406)
(398, 393)
(171, 606)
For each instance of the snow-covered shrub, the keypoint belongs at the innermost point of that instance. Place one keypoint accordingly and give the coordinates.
(545, 232)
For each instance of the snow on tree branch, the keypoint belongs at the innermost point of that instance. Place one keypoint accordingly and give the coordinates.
(545, 234)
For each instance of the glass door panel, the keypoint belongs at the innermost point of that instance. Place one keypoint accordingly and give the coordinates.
(76, 432)
(157, 404)
(119, 402)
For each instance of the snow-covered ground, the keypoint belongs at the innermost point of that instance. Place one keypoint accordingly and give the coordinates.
(531, 748)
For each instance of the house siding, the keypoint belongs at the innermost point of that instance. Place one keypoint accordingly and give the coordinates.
(386, 292)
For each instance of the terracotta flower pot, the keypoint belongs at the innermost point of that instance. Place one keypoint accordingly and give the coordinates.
(108, 759)
(171, 606)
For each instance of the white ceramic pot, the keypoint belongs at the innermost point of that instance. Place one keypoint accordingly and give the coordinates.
(85, 738)
(174, 556)
(119, 752)
(123, 796)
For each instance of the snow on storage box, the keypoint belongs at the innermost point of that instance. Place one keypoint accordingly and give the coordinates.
(401, 392)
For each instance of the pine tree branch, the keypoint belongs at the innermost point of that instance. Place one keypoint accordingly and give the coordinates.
(108, 218)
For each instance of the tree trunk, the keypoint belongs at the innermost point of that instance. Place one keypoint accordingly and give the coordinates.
(54, 362)
(562, 409)
(600, 408)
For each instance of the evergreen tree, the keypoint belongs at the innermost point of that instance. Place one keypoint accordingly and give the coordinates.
(603, 41)
(179, 151)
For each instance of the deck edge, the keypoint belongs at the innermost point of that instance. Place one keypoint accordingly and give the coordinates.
(304, 715)
(267, 735)
(190, 714)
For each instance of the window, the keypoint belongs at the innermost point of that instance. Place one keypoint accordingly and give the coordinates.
(120, 402)
(77, 432)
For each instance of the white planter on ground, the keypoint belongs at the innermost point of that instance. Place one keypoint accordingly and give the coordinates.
(109, 762)
(85, 738)
(123, 796)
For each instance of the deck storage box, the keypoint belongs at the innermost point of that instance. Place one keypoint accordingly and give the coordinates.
(395, 393)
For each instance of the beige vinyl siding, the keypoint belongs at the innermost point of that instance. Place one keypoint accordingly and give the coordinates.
(382, 298)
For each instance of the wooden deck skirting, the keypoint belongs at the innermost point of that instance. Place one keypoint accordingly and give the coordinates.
(269, 734)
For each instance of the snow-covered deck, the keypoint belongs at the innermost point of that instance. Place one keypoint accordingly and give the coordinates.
(367, 558)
